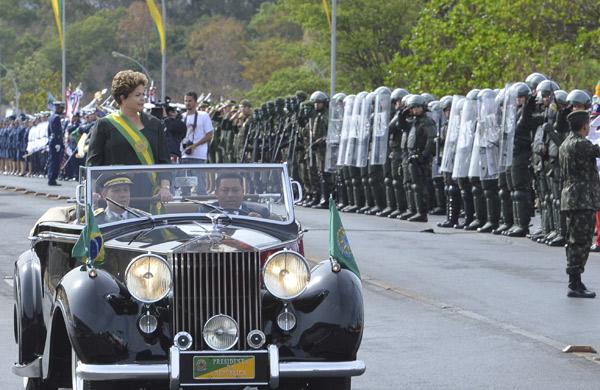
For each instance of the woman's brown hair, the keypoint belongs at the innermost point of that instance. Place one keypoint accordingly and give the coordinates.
(125, 82)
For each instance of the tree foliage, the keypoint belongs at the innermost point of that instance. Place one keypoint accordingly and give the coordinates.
(457, 45)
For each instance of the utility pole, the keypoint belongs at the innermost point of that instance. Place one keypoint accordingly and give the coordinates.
(64, 53)
(163, 69)
(333, 45)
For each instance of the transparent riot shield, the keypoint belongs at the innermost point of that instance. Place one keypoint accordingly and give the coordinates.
(334, 131)
(436, 114)
(350, 158)
(489, 136)
(364, 130)
(475, 160)
(381, 122)
(452, 134)
(345, 135)
(466, 135)
(507, 128)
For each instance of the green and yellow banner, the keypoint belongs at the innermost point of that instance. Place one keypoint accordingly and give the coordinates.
(157, 17)
(327, 12)
(339, 246)
(57, 7)
(89, 248)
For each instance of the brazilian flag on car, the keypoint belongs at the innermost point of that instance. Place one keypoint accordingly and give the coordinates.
(89, 248)
(339, 246)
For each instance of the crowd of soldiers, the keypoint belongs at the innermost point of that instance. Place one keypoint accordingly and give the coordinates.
(26, 140)
(484, 159)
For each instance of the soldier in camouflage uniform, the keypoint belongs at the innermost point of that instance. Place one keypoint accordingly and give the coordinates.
(307, 114)
(320, 180)
(580, 198)
(241, 130)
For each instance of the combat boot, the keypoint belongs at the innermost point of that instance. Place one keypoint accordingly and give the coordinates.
(390, 199)
(577, 289)
(307, 200)
(400, 197)
(522, 227)
(418, 218)
(316, 198)
(467, 197)
(324, 201)
(447, 223)
(559, 240)
(479, 208)
(440, 196)
(548, 237)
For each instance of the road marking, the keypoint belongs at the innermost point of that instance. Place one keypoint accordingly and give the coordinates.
(510, 328)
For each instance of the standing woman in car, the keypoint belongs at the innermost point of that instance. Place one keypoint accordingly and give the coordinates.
(129, 136)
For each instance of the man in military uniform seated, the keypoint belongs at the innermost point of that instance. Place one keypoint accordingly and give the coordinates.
(116, 187)
(230, 197)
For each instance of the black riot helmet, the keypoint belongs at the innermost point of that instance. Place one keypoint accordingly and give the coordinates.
(560, 97)
(446, 102)
(319, 97)
(579, 97)
(416, 101)
(301, 96)
(521, 89)
(428, 97)
(271, 107)
(534, 79)
(546, 87)
(398, 94)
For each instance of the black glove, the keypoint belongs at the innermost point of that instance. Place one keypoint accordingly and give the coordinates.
(405, 113)
(531, 102)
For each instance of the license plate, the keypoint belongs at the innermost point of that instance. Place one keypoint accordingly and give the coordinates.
(223, 367)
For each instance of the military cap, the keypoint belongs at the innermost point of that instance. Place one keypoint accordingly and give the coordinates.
(58, 103)
(111, 179)
(301, 95)
(246, 103)
(578, 116)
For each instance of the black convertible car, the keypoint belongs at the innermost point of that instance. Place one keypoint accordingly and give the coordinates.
(209, 288)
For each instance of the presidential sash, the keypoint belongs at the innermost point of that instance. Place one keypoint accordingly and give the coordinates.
(139, 143)
(136, 139)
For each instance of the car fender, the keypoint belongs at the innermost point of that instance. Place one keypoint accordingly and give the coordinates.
(330, 318)
(99, 316)
(30, 330)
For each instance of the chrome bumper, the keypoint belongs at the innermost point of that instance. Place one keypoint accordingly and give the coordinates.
(170, 371)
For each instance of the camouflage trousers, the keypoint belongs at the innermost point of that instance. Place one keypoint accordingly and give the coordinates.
(580, 227)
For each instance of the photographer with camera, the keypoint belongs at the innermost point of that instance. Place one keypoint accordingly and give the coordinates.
(194, 146)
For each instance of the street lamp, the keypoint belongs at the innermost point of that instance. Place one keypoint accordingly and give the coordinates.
(14, 81)
(117, 54)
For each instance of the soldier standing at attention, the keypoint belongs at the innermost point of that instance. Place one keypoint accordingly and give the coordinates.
(580, 198)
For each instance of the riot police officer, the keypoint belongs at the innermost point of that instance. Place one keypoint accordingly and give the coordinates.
(421, 149)
(394, 194)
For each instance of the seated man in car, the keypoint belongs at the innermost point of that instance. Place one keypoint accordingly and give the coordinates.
(116, 187)
(230, 197)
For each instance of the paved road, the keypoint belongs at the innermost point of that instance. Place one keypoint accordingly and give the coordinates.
(444, 310)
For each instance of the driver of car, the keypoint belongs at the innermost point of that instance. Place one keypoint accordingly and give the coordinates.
(116, 187)
(230, 197)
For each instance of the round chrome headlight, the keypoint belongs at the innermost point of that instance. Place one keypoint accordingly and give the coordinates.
(220, 332)
(148, 278)
(286, 274)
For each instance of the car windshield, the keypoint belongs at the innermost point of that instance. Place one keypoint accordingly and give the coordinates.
(118, 193)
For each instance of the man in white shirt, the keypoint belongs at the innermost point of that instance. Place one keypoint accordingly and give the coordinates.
(194, 147)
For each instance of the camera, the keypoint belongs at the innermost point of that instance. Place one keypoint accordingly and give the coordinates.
(185, 146)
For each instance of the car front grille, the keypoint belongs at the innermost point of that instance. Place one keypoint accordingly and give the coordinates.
(207, 284)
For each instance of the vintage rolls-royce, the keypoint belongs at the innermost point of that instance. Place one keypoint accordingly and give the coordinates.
(207, 286)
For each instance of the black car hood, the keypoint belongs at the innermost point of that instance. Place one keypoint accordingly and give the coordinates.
(195, 237)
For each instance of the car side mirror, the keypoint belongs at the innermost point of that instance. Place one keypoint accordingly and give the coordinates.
(297, 192)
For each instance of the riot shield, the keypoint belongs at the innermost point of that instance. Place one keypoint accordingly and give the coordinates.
(345, 135)
(475, 160)
(353, 136)
(488, 136)
(381, 122)
(364, 130)
(466, 135)
(507, 128)
(437, 115)
(334, 131)
(452, 134)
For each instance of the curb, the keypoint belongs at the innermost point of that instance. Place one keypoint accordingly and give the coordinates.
(26, 191)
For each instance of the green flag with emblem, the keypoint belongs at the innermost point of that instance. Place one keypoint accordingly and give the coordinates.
(89, 248)
(339, 246)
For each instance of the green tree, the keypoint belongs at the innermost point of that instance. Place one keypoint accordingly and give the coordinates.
(462, 44)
